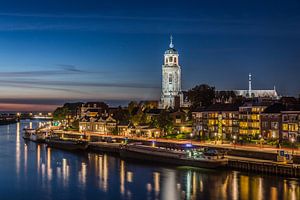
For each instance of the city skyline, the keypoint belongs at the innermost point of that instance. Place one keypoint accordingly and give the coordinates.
(54, 53)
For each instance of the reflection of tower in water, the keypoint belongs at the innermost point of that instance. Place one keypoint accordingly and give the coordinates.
(18, 150)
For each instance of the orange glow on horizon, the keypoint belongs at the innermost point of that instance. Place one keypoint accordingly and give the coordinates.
(26, 107)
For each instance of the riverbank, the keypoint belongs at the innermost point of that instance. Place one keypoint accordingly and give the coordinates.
(239, 157)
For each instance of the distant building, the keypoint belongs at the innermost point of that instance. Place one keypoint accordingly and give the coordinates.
(92, 109)
(250, 93)
(171, 94)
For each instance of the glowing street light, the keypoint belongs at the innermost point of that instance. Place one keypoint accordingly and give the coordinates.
(234, 141)
(191, 136)
(293, 141)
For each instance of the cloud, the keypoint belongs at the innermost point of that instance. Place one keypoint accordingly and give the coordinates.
(64, 70)
(38, 83)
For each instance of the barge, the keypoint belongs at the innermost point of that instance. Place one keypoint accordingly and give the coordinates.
(203, 159)
(67, 144)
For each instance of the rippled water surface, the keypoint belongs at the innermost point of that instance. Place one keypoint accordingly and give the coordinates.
(33, 171)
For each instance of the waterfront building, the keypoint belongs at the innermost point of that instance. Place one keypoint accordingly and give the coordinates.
(271, 123)
(216, 121)
(291, 123)
(181, 121)
(98, 124)
(249, 118)
(171, 94)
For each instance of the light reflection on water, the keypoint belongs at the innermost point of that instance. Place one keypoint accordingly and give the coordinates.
(33, 171)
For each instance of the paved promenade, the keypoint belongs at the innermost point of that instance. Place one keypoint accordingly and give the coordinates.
(257, 148)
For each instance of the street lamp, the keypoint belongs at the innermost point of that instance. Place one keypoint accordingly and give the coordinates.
(260, 140)
(191, 137)
(234, 141)
(216, 138)
(293, 141)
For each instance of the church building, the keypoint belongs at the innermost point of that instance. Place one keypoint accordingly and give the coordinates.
(250, 93)
(171, 94)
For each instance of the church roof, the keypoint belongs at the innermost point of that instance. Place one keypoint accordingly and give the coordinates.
(257, 93)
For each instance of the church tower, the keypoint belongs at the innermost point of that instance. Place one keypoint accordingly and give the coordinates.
(171, 77)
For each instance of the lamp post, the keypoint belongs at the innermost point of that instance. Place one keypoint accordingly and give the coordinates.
(234, 141)
(293, 141)
(260, 140)
(216, 138)
(191, 136)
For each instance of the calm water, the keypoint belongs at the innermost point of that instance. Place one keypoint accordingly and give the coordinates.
(32, 171)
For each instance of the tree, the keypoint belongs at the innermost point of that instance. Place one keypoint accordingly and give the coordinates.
(165, 122)
(201, 95)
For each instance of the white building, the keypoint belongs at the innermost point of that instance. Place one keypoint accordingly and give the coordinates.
(250, 93)
(171, 93)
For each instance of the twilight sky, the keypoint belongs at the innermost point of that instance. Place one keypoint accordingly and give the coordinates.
(53, 51)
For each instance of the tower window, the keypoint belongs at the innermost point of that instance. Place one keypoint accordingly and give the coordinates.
(170, 78)
(166, 60)
(175, 60)
(171, 59)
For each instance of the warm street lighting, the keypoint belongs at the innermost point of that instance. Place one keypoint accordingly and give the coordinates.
(293, 141)
(234, 141)
(260, 141)
(216, 138)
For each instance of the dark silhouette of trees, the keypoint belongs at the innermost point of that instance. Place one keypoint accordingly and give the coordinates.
(201, 95)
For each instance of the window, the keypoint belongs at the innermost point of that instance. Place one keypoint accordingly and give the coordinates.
(171, 59)
(170, 78)
(175, 60)
(166, 60)
(285, 127)
(274, 125)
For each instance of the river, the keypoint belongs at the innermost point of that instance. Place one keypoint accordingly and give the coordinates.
(33, 171)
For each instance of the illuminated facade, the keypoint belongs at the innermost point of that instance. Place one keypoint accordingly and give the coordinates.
(102, 125)
(171, 94)
(271, 125)
(249, 118)
(250, 93)
(217, 121)
(291, 124)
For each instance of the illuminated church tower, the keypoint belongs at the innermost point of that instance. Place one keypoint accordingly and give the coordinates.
(171, 78)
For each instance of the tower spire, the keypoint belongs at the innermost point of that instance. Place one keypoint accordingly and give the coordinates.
(171, 42)
(250, 85)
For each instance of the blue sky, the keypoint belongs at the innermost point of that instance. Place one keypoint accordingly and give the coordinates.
(57, 51)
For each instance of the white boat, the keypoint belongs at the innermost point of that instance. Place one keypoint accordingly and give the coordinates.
(35, 135)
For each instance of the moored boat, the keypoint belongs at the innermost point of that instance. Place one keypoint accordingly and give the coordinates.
(28, 132)
(202, 159)
(67, 144)
(35, 135)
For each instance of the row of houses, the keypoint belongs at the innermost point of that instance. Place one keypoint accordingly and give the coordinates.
(97, 117)
(266, 120)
